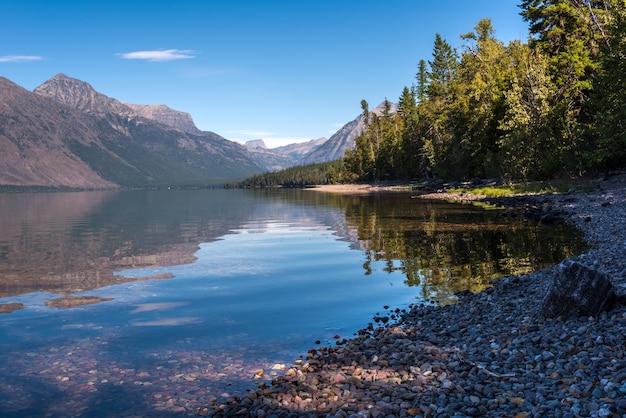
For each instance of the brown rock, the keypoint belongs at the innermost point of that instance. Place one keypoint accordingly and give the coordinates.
(71, 301)
(10, 307)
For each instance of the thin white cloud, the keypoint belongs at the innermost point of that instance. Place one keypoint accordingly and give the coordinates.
(160, 55)
(20, 58)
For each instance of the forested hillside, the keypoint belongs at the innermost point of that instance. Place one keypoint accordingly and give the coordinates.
(553, 106)
(298, 176)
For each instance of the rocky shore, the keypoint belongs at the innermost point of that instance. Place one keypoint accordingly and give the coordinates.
(491, 354)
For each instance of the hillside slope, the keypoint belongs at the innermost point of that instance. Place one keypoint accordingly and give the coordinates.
(65, 134)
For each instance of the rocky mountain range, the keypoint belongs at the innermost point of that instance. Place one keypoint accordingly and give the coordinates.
(67, 134)
(165, 115)
(314, 151)
(343, 139)
(275, 159)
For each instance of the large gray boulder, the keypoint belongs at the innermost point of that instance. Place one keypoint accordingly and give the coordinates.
(577, 290)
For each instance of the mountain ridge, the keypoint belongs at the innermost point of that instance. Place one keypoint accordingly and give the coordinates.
(344, 138)
(279, 158)
(69, 135)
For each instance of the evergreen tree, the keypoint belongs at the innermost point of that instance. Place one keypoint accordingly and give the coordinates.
(435, 120)
(443, 69)
(483, 78)
(422, 81)
(610, 93)
(526, 145)
(412, 158)
(569, 33)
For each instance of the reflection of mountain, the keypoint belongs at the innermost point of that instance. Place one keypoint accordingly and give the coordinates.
(67, 242)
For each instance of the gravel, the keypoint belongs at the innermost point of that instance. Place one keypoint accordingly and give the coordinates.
(490, 354)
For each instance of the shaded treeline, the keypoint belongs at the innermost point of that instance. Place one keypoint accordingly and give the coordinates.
(298, 176)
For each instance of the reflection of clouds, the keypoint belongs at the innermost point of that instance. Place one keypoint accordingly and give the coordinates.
(166, 322)
(149, 307)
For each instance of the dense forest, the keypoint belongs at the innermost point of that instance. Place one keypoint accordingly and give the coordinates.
(553, 106)
(298, 176)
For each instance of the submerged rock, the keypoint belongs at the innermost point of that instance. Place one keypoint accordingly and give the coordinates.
(72, 301)
(10, 307)
(577, 290)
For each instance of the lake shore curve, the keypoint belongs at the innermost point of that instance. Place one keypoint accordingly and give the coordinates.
(491, 354)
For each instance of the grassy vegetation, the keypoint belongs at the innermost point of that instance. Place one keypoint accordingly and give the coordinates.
(510, 189)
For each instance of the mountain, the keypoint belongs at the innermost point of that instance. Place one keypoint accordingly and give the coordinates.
(343, 139)
(166, 116)
(300, 150)
(275, 159)
(80, 96)
(314, 151)
(67, 134)
(34, 137)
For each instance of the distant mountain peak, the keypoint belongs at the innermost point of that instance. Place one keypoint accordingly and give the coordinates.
(62, 76)
(167, 116)
(67, 134)
(80, 95)
(344, 138)
(255, 143)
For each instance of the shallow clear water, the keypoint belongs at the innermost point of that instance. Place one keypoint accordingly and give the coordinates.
(255, 280)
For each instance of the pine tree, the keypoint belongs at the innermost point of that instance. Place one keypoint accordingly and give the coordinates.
(610, 93)
(422, 81)
(483, 78)
(569, 33)
(443, 69)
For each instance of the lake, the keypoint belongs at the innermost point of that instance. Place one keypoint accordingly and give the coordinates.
(206, 293)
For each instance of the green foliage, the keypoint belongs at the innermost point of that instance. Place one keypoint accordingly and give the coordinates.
(515, 189)
(609, 98)
(435, 249)
(299, 176)
(378, 153)
(552, 107)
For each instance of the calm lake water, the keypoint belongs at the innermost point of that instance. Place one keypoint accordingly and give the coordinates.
(209, 287)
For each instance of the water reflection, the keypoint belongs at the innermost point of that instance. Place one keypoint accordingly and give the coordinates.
(446, 248)
(443, 248)
(257, 277)
(72, 242)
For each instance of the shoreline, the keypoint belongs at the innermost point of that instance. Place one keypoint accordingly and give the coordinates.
(488, 355)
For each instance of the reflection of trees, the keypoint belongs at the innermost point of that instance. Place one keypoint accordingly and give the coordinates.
(445, 248)
(441, 248)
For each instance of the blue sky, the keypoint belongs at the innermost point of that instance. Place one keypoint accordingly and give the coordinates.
(283, 71)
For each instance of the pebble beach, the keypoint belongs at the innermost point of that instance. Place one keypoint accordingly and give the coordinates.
(490, 354)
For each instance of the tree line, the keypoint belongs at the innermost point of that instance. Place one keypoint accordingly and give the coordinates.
(298, 176)
(552, 106)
